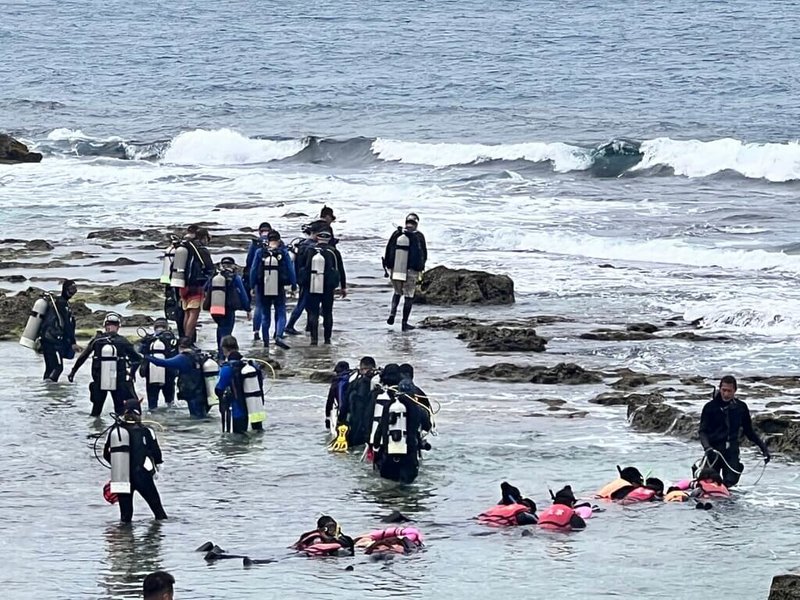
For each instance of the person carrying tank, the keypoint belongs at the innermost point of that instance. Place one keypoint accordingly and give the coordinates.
(325, 222)
(257, 242)
(57, 332)
(337, 393)
(403, 261)
(357, 408)
(272, 271)
(224, 295)
(722, 420)
(188, 363)
(397, 440)
(114, 362)
(133, 452)
(161, 343)
(240, 389)
(323, 272)
(198, 269)
(407, 374)
(299, 248)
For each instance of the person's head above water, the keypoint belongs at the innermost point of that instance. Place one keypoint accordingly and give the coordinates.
(727, 388)
(564, 496)
(329, 526)
(412, 220)
(655, 484)
(158, 586)
(391, 374)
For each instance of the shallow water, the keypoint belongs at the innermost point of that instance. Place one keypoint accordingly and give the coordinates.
(486, 121)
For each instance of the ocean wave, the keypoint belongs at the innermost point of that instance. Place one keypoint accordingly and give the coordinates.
(774, 162)
(746, 315)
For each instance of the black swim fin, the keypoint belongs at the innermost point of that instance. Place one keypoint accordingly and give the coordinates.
(249, 562)
(205, 547)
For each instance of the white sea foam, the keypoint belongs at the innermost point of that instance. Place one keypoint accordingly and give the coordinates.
(754, 315)
(564, 157)
(226, 147)
(693, 158)
(63, 134)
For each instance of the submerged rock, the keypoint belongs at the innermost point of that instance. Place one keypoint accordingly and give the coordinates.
(14, 151)
(562, 373)
(503, 339)
(445, 286)
(617, 335)
(38, 245)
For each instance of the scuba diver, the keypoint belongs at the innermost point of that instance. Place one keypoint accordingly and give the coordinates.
(161, 343)
(298, 249)
(258, 242)
(271, 272)
(396, 437)
(629, 479)
(224, 295)
(407, 372)
(513, 509)
(133, 452)
(114, 362)
(357, 406)
(240, 389)
(720, 423)
(321, 273)
(326, 540)
(403, 262)
(57, 332)
(191, 277)
(325, 222)
(336, 394)
(562, 515)
(191, 383)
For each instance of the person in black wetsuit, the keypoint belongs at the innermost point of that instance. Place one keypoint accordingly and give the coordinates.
(357, 408)
(337, 393)
(320, 295)
(145, 454)
(57, 333)
(721, 421)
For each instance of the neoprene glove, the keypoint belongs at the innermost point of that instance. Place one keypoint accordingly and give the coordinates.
(327, 424)
(767, 457)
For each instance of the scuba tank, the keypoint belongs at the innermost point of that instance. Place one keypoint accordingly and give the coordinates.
(34, 324)
(219, 286)
(397, 437)
(253, 394)
(211, 375)
(317, 283)
(166, 264)
(120, 449)
(155, 374)
(400, 266)
(271, 264)
(381, 402)
(108, 367)
(179, 262)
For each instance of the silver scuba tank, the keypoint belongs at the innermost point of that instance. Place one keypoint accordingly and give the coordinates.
(218, 288)
(108, 367)
(157, 375)
(400, 266)
(253, 394)
(120, 449)
(179, 262)
(397, 438)
(271, 274)
(317, 283)
(166, 264)
(211, 376)
(381, 402)
(34, 324)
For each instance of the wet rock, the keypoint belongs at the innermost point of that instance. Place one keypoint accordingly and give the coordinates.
(503, 339)
(606, 266)
(240, 205)
(78, 255)
(609, 399)
(12, 241)
(643, 327)
(785, 587)
(693, 380)
(694, 337)
(13, 278)
(562, 373)
(51, 264)
(235, 241)
(142, 293)
(652, 414)
(294, 215)
(121, 233)
(631, 379)
(445, 286)
(122, 261)
(13, 151)
(38, 245)
(320, 376)
(782, 381)
(616, 335)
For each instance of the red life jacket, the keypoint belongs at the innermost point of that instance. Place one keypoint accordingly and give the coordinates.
(710, 489)
(322, 549)
(557, 517)
(640, 494)
(502, 515)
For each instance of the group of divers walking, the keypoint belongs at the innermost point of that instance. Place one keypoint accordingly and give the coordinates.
(377, 411)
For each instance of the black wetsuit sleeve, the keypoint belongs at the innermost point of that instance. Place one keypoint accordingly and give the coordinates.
(747, 428)
(340, 267)
(388, 254)
(526, 518)
(331, 398)
(423, 246)
(128, 350)
(155, 449)
(87, 352)
(705, 426)
(577, 522)
(107, 447)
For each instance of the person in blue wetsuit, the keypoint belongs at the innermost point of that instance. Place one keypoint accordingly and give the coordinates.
(236, 298)
(230, 390)
(255, 244)
(271, 272)
(191, 384)
(337, 393)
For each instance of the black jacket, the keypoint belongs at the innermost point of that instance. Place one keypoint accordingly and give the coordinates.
(125, 352)
(58, 326)
(143, 445)
(334, 268)
(417, 250)
(721, 422)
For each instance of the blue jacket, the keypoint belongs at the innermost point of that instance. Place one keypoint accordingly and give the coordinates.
(287, 272)
(227, 381)
(181, 363)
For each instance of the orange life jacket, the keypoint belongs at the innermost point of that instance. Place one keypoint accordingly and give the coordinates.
(710, 489)
(502, 515)
(676, 496)
(557, 517)
(612, 487)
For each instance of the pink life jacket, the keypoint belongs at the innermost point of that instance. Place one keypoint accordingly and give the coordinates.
(502, 515)
(410, 533)
(640, 494)
(709, 489)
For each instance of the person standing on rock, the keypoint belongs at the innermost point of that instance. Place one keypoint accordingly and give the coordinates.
(199, 268)
(721, 421)
(403, 261)
(323, 272)
(114, 361)
(57, 334)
